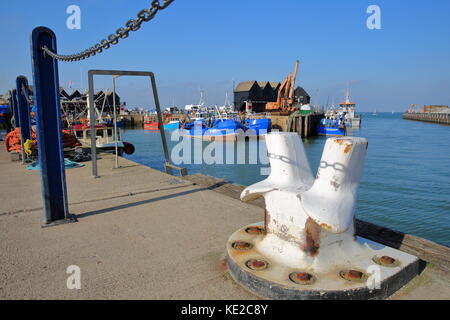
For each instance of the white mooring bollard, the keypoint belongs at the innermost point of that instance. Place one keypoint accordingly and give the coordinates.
(306, 247)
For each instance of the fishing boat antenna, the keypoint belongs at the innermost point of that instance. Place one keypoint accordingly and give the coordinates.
(202, 99)
(347, 93)
(227, 100)
(218, 112)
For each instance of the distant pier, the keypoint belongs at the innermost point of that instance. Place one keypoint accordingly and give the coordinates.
(436, 117)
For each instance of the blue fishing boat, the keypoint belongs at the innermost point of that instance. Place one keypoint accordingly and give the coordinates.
(227, 129)
(195, 129)
(120, 123)
(172, 125)
(332, 125)
(259, 126)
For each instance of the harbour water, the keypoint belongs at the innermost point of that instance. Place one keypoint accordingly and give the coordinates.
(406, 182)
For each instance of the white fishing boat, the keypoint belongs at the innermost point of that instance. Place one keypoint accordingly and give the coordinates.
(348, 108)
(104, 138)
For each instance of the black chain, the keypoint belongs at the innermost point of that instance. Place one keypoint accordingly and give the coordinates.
(144, 15)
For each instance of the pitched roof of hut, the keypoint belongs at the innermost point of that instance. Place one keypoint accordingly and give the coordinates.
(63, 93)
(299, 91)
(110, 93)
(245, 86)
(75, 94)
(263, 84)
(275, 85)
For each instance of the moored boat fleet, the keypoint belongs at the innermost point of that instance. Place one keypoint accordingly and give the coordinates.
(211, 124)
(220, 123)
(200, 122)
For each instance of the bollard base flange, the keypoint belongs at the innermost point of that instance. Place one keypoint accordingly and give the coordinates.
(70, 219)
(268, 279)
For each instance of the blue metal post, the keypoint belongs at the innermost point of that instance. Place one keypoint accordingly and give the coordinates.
(49, 136)
(23, 110)
(14, 108)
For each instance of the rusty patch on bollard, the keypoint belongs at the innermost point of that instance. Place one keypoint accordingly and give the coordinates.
(353, 275)
(348, 148)
(386, 261)
(256, 264)
(242, 245)
(303, 278)
(255, 230)
(326, 227)
(312, 237)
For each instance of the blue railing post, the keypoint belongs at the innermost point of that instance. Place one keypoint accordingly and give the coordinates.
(49, 136)
(14, 108)
(23, 109)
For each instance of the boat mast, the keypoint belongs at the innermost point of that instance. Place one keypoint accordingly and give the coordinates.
(202, 99)
(218, 112)
(227, 100)
(347, 94)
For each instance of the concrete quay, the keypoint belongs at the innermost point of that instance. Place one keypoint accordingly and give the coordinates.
(141, 234)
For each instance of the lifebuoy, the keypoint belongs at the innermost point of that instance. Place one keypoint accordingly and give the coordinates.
(128, 148)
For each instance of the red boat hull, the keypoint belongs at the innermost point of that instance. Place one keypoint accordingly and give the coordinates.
(151, 126)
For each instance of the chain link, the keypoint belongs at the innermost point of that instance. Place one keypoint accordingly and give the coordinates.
(144, 15)
(25, 92)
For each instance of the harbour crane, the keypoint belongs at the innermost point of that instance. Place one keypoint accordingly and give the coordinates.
(285, 98)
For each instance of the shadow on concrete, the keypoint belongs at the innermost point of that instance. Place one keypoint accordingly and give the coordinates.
(139, 203)
(129, 166)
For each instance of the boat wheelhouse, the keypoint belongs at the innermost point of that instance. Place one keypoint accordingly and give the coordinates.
(348, 108)
(104, 137)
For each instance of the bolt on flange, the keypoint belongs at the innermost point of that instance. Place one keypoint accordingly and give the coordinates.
(303, 278)
(255, 230)
(242, 245)
(353, 275)
(257, 264)
(386, 261)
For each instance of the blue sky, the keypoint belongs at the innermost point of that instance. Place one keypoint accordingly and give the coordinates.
(206, 44)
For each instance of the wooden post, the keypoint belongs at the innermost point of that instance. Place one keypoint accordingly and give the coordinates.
(306, 126)
(300, 125)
